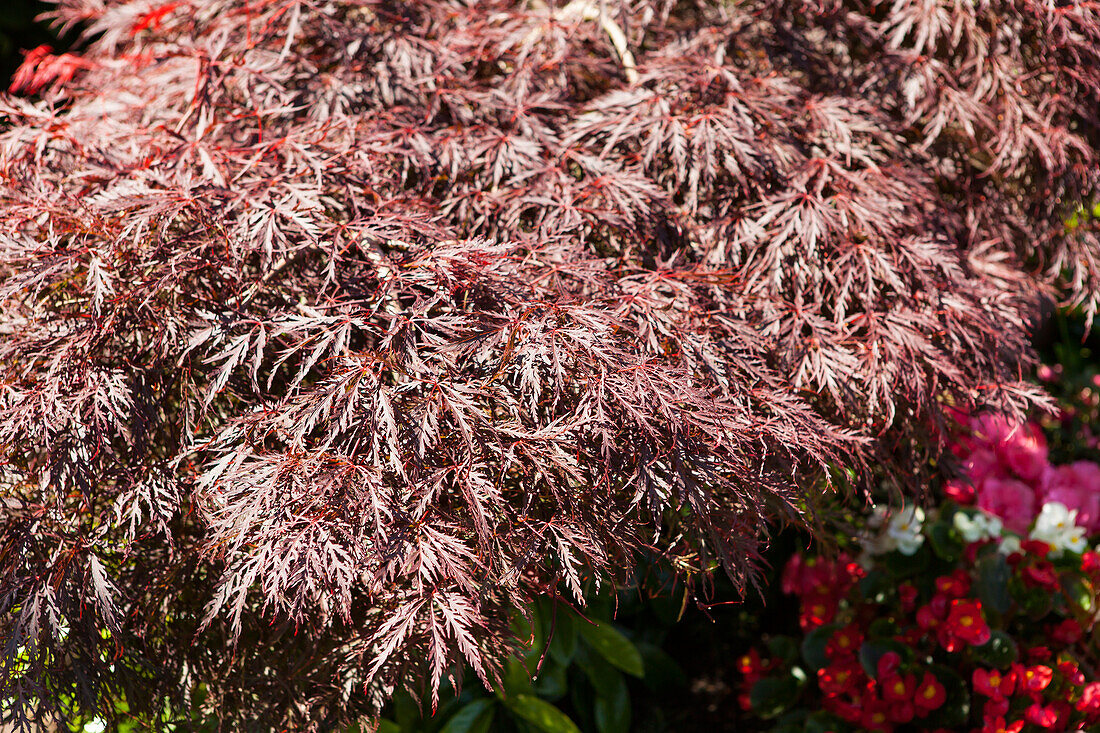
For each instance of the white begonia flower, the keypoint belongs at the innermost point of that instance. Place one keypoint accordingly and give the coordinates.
(878, 517)
(1057, 526)
(1010, 544)
(905, 529)
(875, 542)
(981, 526)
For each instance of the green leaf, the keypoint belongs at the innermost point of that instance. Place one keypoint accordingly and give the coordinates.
(614, 647)
(793, 718)
(784, 648)
(813, 646)
(882, 628)
(388, 726)
(563, 643)
(603, 676)
(552, 683)
(1078, 593)
(662, 672)
(875, 585)
(474, 717)
(1035, 602)
(612, 712)
(406, 711)
(905, 566)
(992, 583)
(771, 696)
(516, 678)
(823, 723)
(1000, 651)
(945, 542)
(541, 714)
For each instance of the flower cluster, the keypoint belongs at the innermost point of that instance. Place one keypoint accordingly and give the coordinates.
(1008, 474)
(968, 628)
(821, 583)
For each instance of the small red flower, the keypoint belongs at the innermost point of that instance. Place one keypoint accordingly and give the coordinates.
(898, 688)
(956, 585)
(1034, 679)
(960, 492)
(998, 725)
(930, 695)
(817, 611)
(876, 715)
(927, 619)
(854, 571)
(965, 623)
(902, 711)
(844, 643)
(750, 664)
(1090, 563)
(791, 580)
(849, 712)
(931, 615)
(887, 665)
(1071, 672)
(993, 683)
(1041, 575)
(910, 637)
(996, 707)
(1035, 547)
(1068, 632)
(1039, 654)
(1090, 700)
(839, 679)
(907, 595)
(1044, 716)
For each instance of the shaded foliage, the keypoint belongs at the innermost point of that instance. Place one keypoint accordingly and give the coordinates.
(332, 331)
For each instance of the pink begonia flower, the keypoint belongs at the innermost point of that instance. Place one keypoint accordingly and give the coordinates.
(1011, 500)
(983, 464)
(1025, 451)
(1020, 447)
(1078, 487)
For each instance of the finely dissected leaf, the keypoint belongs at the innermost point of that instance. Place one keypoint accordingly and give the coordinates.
(331, 333)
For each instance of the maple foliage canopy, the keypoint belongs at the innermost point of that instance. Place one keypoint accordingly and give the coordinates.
(331, 330)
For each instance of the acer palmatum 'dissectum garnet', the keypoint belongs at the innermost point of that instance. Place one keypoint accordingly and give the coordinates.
(330, 331)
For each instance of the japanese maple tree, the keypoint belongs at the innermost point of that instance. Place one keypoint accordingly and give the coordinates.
(332, 330)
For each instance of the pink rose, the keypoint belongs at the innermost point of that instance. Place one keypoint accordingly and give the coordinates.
(1011, 500)
(1078, 487)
